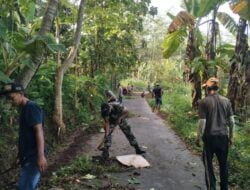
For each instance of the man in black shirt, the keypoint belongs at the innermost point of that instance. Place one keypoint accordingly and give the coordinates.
(31, 139)
(215, 113)
(115, 114)
(157, 93)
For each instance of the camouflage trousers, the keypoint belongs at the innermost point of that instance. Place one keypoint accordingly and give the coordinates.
(126, 129)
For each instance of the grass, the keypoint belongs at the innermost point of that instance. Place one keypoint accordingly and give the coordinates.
(177, 105)
(73, 175)
(239, 158)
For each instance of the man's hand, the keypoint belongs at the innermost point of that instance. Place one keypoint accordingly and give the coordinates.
(42, 163)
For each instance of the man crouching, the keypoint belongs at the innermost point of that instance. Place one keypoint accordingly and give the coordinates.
(115, 114)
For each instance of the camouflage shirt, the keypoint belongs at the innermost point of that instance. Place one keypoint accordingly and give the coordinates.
(116, 112)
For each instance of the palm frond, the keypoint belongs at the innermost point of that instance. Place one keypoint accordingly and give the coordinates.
(227, 21)
(192, 6)
(241, 7)
(181, 20)
(199, 38)
(206, 6)
(172, 41)
(170, 15)
(226, 49)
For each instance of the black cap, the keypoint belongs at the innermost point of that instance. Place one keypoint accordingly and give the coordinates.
(10, 88)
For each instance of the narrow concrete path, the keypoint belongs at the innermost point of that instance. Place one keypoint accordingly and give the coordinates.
(173, 167)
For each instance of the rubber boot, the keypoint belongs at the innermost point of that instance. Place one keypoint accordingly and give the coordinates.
(105, 154)
(138, 150)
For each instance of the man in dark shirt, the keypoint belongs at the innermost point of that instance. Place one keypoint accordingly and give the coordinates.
(115, 114)
(31, 139)
(215, 116)
(157, 93)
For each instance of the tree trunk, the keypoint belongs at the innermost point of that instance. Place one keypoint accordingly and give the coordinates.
(194, 78)
(58, 108)
(247, 88)
(233, 83)
(211, 46)
(190, 55)
(91, 70)
(242, 64)
(238, 88)
(38, 56)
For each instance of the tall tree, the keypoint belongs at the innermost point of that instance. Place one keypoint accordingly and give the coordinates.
(62, 68)
(110, 30)
(238, 68)
(213, 32)
(38, 54)
(239, 83)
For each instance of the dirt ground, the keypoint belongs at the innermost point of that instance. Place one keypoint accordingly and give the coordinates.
(173, 167)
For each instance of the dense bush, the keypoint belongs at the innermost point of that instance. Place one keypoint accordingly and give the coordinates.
(138, 84)
(239, 158)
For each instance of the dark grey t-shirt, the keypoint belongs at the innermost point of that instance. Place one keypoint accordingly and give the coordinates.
(216, 110)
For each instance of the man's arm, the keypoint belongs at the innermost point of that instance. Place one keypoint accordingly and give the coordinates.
(106, 126)
(200, 131)
(231, 129)
(41, 160)
(123, 115)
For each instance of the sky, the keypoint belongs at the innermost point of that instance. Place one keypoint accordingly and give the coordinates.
(174, 6)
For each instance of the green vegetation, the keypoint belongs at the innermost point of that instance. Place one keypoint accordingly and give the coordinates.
(84, 166)
(138, 84)
(66, 60)
(177, 105)
(65, 56)
(239, 158)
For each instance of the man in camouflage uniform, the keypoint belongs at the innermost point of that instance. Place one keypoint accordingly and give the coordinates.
(115, 114)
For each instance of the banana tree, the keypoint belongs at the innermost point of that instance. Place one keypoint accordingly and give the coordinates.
(211, 44)
(189, 21)
(241, 7)
(239, 83)
(184, 22)
(238, 88)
